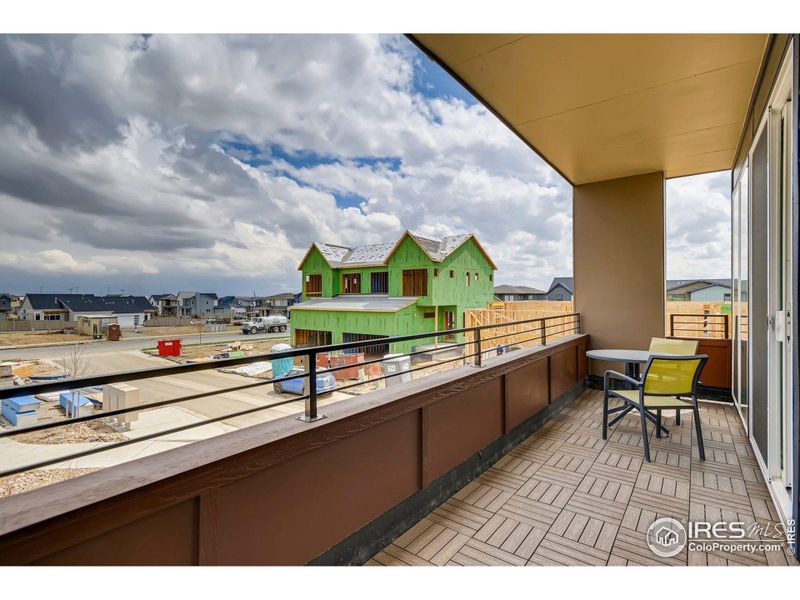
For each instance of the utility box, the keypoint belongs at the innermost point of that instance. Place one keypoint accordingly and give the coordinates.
(169, 347)
(396, 363)
(117, 396)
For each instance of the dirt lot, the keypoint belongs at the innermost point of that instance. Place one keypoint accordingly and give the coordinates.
(25, 338)
(196, 351)
(159, 331)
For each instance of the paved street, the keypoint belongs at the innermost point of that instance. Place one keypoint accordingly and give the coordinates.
(104, 347)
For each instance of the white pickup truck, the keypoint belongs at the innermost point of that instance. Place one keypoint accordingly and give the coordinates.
(265, 325)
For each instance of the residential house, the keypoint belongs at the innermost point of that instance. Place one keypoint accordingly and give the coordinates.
(516, 293)
(412, 285)
(196, 304)
(130, 311)
(6, 305)
(699, 290)
(277, 304)
(561, 288)
(166, 305)
(245, 301)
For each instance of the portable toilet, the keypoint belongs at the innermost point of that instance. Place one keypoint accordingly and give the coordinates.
(396, 363)
(281, 366)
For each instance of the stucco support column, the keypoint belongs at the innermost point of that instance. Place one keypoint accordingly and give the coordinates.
(619, 261)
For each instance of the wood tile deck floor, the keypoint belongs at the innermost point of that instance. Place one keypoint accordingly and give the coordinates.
(565, 496)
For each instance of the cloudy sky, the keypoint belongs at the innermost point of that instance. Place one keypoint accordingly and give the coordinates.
(152, 164)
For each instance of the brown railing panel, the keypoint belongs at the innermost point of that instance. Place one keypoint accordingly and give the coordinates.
(296, 510)
(563, 370)
(462, 424)
(526, 392)
(167, 537)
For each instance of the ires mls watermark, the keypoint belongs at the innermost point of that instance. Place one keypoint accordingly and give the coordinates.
(667, 537)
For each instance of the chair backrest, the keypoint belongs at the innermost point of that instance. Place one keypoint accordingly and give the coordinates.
(673, 375)
(667, 346)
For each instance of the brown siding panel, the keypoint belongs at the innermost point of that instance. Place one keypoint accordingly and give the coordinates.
(463, 424)
(290, 513)
(526, 392)
(165, 538)
(563, 371)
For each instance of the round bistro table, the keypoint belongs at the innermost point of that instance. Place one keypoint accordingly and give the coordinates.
(633, 359)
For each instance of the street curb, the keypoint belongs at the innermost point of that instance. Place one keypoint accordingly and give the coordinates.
(128, 339)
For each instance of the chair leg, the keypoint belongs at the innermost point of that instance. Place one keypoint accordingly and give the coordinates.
(645, 441)
(697, 427)
(658, 422)
(605, 414)
(677, 416)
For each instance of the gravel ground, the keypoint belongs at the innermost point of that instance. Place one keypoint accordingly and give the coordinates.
(30, 480)
(77, 433)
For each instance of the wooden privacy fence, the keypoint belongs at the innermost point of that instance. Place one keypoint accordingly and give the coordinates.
(525, 335)
(683, 319)
(24, 325)
(699, 319)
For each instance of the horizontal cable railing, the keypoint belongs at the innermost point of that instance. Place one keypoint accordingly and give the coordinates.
(476, 346)
(699, 325)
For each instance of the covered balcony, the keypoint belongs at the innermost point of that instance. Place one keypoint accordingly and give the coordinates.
(501, 461)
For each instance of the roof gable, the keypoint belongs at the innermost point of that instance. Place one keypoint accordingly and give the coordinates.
(566, 282)
(374, 255)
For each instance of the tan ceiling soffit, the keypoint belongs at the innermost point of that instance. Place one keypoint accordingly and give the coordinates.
(603, 106)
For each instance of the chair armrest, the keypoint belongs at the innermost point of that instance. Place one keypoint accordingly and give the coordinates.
(617, 375)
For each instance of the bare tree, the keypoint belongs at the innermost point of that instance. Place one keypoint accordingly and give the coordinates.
(76, 364)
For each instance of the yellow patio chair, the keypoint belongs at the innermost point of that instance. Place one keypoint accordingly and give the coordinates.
(672, 346)
(664, 381)
(668, 346)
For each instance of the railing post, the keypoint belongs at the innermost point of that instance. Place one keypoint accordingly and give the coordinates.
(310, 415)
(725, 324)
(543, 331)
(672, 325)
(478, 358)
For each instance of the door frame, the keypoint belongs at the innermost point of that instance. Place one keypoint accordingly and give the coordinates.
(777, 399)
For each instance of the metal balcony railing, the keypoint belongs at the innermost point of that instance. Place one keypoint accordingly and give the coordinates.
(699, 325)
(476, 344)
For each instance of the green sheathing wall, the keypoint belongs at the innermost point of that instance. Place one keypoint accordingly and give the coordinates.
(366, 277)
(406, 321)
(468, 258)
(315, 264)
(409, 256)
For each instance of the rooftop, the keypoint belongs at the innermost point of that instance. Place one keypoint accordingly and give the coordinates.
(361, 302)
(90, 303)
(378, 254)
(516, 289)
